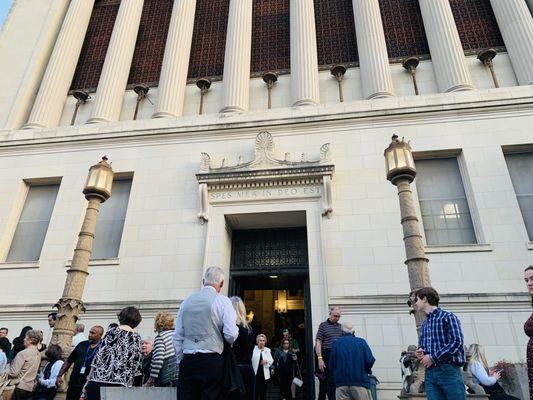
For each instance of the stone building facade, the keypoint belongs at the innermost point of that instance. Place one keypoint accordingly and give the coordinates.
(301, 184)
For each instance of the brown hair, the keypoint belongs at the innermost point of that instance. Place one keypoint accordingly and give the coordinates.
(129, 316)
(163, 322)
(430, 294)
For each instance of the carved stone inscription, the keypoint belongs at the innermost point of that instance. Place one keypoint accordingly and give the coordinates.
(221, 196)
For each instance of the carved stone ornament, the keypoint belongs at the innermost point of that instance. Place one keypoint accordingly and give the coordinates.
(265, 171)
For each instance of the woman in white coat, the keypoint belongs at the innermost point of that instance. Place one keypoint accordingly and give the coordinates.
(261, 362)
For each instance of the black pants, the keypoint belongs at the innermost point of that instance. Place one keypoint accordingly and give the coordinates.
(328, 381)
(201, 377)
(260, 387)
(93, 389)
(74, 392)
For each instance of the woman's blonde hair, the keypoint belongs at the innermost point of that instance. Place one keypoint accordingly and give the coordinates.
(163, 322)
(478, 354)
(240, 309)
(34, 336)
(261, 335)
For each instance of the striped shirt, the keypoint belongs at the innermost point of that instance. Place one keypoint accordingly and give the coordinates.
(163, 348)
(328, 332)
(441, 337)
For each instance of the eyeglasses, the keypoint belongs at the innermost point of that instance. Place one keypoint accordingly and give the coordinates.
(336, 315)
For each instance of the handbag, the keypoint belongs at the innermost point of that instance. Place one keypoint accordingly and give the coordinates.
(8, 385)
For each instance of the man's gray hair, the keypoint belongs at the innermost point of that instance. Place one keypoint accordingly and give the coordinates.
(332, 309)
(80, 327)
(213, 276)
(347, 327)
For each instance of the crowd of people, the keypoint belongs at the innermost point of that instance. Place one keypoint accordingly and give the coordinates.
(210, 351)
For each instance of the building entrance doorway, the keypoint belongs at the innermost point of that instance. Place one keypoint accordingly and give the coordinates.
(270, 272)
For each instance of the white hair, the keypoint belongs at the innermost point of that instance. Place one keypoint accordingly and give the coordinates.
(332, 309)
(213, 276)
(347, 327)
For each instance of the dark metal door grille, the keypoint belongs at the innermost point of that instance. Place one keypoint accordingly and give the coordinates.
(269, 250)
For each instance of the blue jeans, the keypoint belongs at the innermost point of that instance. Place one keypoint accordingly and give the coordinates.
(445, 382)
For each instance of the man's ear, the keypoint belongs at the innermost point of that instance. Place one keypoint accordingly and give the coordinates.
(221, 283)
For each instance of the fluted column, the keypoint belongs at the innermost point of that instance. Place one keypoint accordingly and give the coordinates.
(516, 25)
(114, 77)
(304, 63)
(173, 80)
(447, 54)
(236, 79)
(50, 100)
(373, 58)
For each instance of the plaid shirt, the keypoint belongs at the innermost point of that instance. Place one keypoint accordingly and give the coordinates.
(441, 337)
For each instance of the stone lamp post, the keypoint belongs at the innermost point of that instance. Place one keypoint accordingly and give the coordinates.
(401, 171)
(97, 190)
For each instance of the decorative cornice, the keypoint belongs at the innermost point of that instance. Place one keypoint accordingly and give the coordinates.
(265, 171)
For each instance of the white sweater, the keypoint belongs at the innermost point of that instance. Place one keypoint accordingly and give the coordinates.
(267, 356)
(479, 373)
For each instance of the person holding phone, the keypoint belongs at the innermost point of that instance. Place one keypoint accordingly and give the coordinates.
(481, 374)
(440, 348)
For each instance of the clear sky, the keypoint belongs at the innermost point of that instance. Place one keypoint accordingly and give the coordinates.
(4, 8)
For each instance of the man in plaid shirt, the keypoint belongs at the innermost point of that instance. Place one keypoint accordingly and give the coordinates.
(440, 348)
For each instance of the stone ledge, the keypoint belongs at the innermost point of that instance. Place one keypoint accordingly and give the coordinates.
(517, 100)
(19, 265)
(98, 263)
(458, 248)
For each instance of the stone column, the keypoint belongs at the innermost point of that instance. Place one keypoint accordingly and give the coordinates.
(304, 63)
(70, 305)
(373, 58)
(114, 77)
(173, 80)
(516, 25)
(417, 262)
(447, 53)
(50, 100)
(236, 79)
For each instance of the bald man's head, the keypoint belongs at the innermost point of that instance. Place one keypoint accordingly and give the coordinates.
(96, 333)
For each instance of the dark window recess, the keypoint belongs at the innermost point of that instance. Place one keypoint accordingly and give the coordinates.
(95, 45)
(335, 32)
(404, 28)
(151, 40)
(476, 24)
(269, 249)
(209, 39)
(270, 36)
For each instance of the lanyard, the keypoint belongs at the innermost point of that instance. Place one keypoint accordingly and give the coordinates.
(88, 354)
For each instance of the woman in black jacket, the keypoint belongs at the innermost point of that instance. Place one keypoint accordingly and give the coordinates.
(285, 362)
(242, 350)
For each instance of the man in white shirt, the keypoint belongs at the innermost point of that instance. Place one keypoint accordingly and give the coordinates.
(205, 320)
(79, 336)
